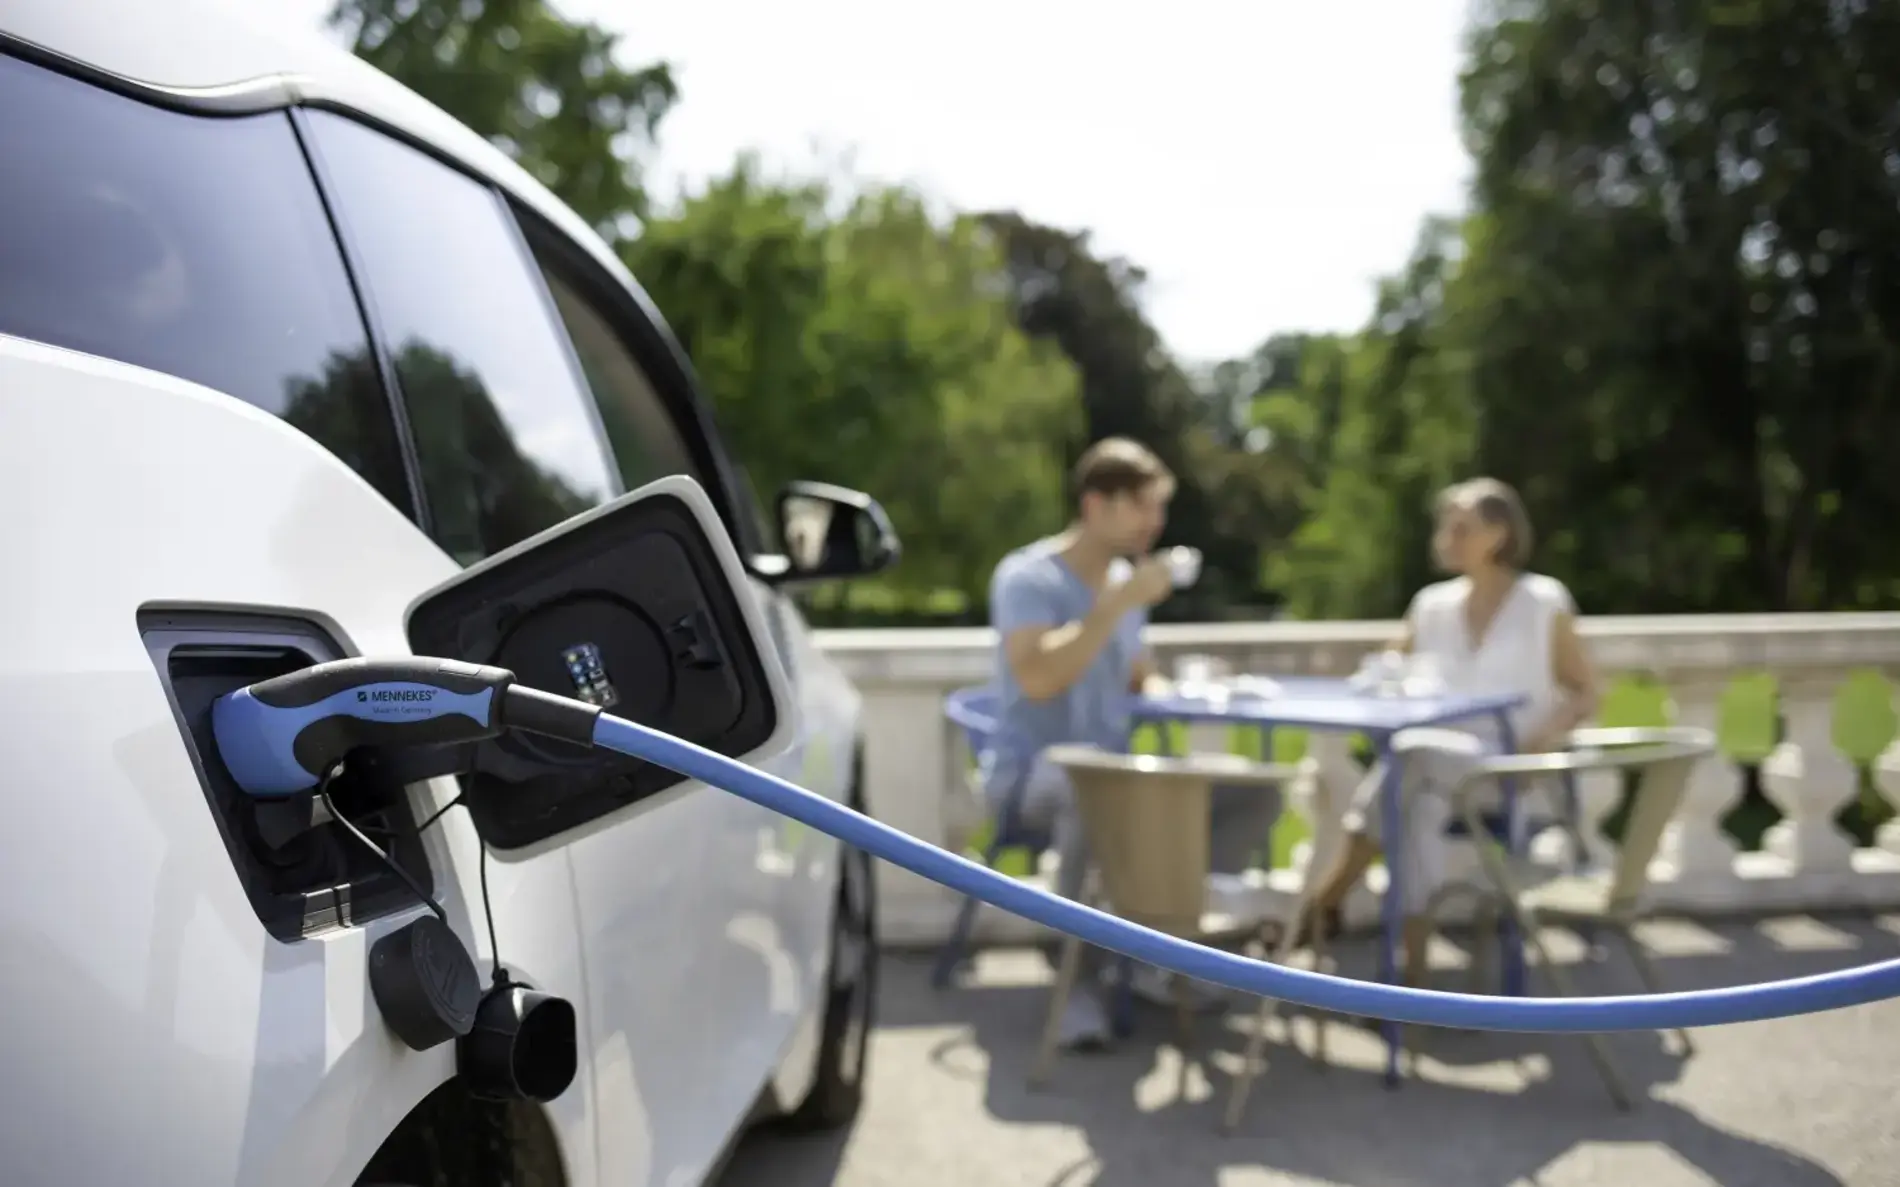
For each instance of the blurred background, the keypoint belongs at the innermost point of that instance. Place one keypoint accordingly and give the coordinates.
(1640, 259)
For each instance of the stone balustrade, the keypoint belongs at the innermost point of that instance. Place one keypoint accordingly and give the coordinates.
(1801, 701)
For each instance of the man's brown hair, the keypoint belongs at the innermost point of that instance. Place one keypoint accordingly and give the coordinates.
(1118, 466)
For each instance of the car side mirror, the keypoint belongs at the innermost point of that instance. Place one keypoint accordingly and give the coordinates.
(640, 606)
(831, 532)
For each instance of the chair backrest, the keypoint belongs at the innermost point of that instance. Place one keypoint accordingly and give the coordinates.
(1659, 791)
(1146, 820)
(973, 710)
(1663, 756)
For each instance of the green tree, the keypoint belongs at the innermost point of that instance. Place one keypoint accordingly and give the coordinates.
(549, 92)
(1672, 318)
(1388, 422)
(873, 348)
(1685, 294)
(1131, 386)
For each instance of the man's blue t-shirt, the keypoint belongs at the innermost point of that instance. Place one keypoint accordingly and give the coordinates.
(1033, 587)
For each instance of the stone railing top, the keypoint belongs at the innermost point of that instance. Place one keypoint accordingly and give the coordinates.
(1665, 645)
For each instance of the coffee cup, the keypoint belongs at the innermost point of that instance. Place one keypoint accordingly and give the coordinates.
(1184, 565)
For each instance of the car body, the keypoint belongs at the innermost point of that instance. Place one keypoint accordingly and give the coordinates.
(282, 346)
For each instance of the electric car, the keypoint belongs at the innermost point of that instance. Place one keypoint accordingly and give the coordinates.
(282, 348)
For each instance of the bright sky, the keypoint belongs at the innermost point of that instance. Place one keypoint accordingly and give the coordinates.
(1265, 160)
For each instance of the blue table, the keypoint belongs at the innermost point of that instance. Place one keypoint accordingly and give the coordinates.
(1327, 704)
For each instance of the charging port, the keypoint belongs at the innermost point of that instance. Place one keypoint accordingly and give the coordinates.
(303, 872)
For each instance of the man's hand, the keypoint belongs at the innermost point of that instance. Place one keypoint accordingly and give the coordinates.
(1148, 585)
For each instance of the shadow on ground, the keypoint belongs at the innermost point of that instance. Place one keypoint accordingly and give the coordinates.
(1803, 1102)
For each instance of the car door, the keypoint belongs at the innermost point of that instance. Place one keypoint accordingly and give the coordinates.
(758, 883)
(692, 989)
(172, 297)
(509, 442)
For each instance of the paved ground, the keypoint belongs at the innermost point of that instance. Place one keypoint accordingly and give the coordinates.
(1802, 1102)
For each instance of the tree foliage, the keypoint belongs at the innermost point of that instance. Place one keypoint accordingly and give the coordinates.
(852, 336)
(549, 92)
(1670, 316)
(871, 347)
(1090, 309)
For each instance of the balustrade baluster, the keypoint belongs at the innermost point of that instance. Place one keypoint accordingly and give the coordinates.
(1810, 780)
(1887, 780)
(1697, 857)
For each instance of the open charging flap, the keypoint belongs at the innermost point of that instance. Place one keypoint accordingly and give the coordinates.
(640, 606)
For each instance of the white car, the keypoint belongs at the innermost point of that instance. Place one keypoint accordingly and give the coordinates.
(282, 347)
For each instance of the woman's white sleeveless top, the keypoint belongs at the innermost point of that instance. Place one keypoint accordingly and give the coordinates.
(1514, 655)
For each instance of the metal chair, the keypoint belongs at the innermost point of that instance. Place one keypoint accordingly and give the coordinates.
(973, 710)
(1610, 899)
(1146, 820)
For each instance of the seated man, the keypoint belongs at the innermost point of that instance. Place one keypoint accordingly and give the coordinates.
(1069, 612)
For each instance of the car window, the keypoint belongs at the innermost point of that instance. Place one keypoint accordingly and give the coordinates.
(645, 433)
(645, 440)
(192, 245)
(506, 437)
(764, 528)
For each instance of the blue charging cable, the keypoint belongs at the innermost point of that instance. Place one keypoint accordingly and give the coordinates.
(281, 736)
(1663, 1011)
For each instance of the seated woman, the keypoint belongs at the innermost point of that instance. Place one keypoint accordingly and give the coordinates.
(1491, 628)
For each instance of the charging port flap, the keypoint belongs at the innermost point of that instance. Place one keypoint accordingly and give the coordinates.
(641, 607)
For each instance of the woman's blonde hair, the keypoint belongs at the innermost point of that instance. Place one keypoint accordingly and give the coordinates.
(1497, 504)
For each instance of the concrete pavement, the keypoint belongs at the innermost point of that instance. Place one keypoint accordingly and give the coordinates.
(1802, 1102)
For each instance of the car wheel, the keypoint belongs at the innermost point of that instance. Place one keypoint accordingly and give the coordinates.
(844, 1046)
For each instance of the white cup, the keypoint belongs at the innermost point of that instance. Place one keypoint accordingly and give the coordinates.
(1203, 678)
(1184, 565)
(1382, 674)
(1201, 669)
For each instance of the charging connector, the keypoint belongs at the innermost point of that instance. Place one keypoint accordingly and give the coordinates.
(280, 736)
